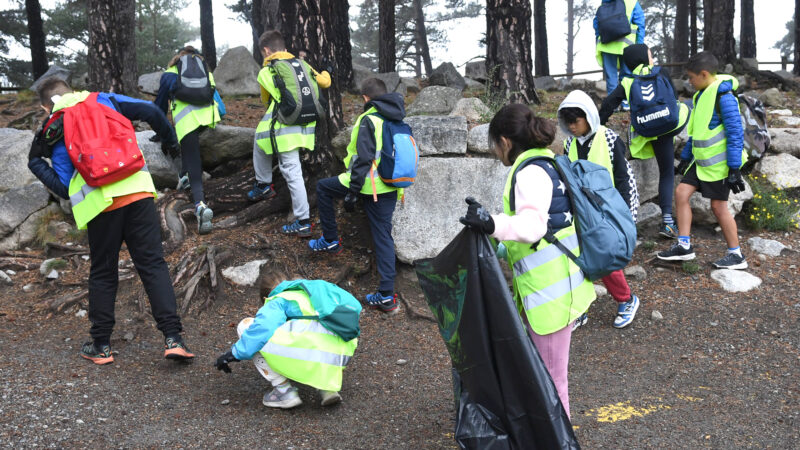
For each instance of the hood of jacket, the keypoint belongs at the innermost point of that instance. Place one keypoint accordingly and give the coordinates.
(391, 106)
(580, 99)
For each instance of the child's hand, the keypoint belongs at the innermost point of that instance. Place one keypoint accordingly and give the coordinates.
(735, 181)
(223, 360)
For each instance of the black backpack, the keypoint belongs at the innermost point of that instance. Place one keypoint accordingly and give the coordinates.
(612, 21)
(194, 86)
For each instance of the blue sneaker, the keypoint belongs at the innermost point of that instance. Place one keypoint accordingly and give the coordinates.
(626, 312)
(385, 304)
(321, 245)
(580, 321)
(261, 191)
(624, 107)
(669, 230)
(298, 229)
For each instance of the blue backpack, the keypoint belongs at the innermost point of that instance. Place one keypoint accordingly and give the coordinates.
(606, 231)
(612, 21)
(654, 108)
(399, 155)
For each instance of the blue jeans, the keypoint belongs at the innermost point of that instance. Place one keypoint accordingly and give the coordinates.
(611, 74)
(379, 215)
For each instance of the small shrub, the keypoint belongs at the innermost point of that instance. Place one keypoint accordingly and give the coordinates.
(771, 208)
(493, 99)
(690, 267)
(649, 245)
(56, 264)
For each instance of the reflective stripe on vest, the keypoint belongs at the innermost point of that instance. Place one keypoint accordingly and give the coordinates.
(554, 291)
(85, 190)
(306, 354)
(286, 137)
(705, 143)
(293, 129)
(544, 256)
(185, 111)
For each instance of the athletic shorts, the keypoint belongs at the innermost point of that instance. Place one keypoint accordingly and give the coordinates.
(714, 190)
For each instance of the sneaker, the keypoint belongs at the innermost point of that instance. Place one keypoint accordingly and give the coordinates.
(204, 215)
(668, 230)
(624, 106)
(385, 304)
(677, 253)
(98, 356)
(174, 348)
(329, 398)
(731, 261)
(183, 183)
(261, 191)
(289, 399)
(321, 245)
(626, 312)
(580, 321)
(298, 229)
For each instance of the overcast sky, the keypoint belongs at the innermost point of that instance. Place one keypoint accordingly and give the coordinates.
(465, 34)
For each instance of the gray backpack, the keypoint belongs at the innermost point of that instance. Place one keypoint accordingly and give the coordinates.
(194, 85)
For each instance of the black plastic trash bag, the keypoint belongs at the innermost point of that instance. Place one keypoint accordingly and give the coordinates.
(510, 400)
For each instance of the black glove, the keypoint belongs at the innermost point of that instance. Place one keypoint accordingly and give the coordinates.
(477, 217)
(155, 138)
(350, 201)
(38, 147)
(735, 181)
(682, 166)
(223, 360)
(173, 151)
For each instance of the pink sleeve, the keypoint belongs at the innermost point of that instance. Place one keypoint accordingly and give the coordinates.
(533, 193)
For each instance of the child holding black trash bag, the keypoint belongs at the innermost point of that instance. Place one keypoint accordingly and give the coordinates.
(548, 287)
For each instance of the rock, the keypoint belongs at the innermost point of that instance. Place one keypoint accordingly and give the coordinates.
(762, 258)
(245, 275)
(128, 336)
(580, 83)
(237, 73)
(782, 170)
(785, 140)
(411, 85)
(476, 70)
(340, 142)
(4, 278)
(472, 85)
(14, 147)
(649, 213)
(54, 71)
(391, 79)
(25, 233)
(446, 75)
(163, 169)
(635, 272)
(784, 74)
(150, 82)
(58, 229)
(656, 315)
(478, 139)
(751, 63)
(600, 290)
(765, 246)
(735, 280)
(701, 207)
(225, 143)
(27, 288)
(225, 402)
(401, 362)
(17, 204)
(437, 135)
(472, 108)
(601, 86)
(790, 121)
(428, 219)
(81, 313)
(434, 100)
(728, 68)
(53, 275)
(47, 265)
(772, 97)
(10, 272)
(646, 172)
(545, 83)
(780, 112)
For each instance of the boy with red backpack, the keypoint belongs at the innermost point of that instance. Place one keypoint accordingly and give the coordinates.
(111, 193)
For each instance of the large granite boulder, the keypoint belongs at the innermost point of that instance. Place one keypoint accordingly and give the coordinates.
(434, 100)
(54, 71)
(14, 147)
(391, 79)
(150, 82)
(428, 219)
(701, 206)
(225, 143)
(545, 83)
(476, 70)
(163, 169)
(25, 233)
(782, 170)
(340, 142)
(17, 204)
(472, 108)
(478, 139)
(436, 135)
(446, 75)
(237, 73)
(785, 140)
(772, 97)
(646, 172)
(411, 85)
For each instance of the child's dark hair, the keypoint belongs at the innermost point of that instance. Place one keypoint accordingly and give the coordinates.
(49, 87)
(571, 114)
(271, 276)
(273, 40)
(703, 61)
(188, 50)
(524, 129)
(373, 87)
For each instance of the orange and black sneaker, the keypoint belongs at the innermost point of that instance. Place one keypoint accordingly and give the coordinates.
(174, 348)
(99, 356)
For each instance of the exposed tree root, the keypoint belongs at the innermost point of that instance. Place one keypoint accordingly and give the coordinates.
(412, 312)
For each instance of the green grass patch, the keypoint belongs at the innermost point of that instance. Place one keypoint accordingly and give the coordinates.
(649, 245)
(56, 264)
(771, 208)
(690, 267)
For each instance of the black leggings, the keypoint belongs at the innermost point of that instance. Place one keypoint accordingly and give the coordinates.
(665, 157)
(191, 162)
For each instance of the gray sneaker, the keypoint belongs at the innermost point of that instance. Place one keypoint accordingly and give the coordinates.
(329, 398)
(731, 261)
(204, 215)
(287, 400)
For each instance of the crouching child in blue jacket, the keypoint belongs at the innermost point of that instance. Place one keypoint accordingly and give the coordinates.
(307, 331)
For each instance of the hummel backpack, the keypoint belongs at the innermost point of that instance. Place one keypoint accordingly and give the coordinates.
(399, 155)
(603, 223)
(654, 108)
(612, 21)
(301, 99)
(194, 85)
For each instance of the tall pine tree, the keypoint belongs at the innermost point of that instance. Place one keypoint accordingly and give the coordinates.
(508, 54)
(112, 46)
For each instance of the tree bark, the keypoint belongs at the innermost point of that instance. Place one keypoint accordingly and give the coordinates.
(747, 42)
(570, 34)
(386, 36)
(681, 42)
(693, 25)
(112, 46)
(718, 29)
(508, 49)
(796, 69)
(264, 15)
(422, 37)
(207, 34)
(541, 60)
(37, 41)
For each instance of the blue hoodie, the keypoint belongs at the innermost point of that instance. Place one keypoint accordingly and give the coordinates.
(732, 122)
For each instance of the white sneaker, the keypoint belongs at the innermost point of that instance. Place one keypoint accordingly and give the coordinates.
(287, 400)
(329, 398)
(204, 215)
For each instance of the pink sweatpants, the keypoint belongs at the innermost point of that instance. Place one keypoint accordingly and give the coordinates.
(617, 286)
(554, 350)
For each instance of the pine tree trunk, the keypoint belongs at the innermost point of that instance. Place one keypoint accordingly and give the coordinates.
(718, 29)
(37, 41)
(508, 49)
(386, 36)
(747, 43)
(263, 16)
(112, 46)
(796, 69)
(422, 37)
(541, 59)
(570, 34)
(681, 43)
(207, 34)
(693, 25)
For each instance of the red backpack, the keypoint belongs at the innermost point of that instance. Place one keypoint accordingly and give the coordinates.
(100, 141)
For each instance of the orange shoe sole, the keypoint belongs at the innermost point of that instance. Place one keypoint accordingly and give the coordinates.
(99, 361)
(178, 354)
